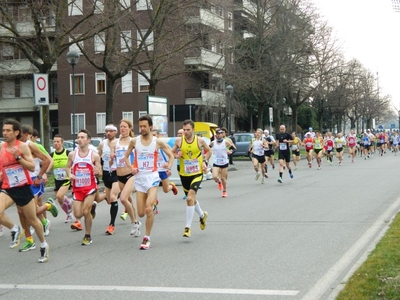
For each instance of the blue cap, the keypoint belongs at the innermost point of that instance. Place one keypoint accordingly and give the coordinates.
(309, 128)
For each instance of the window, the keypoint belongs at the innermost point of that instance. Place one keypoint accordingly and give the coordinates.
(143, 84)
(99, 42)
(125, 4)
(149, 40)
(212, 7)
(7, 52)
(230, 21)
(215, 118)
(142, 113)
(144, 5)
(213, 46)
(75, 8)
(17, 83)
(126, 41)
(100, 83)
(221, 48)
(126, 83)
(231, 56)
(100, 122)
(127, 115)
(220, 11)
(80, 123)
(79, 84)
(74, 46)
(98, 6)
(24, 14)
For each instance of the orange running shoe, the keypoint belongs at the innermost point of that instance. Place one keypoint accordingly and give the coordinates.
(174, 188)
(224, 194)
(110, 229)
(76, 226)
(220, 187)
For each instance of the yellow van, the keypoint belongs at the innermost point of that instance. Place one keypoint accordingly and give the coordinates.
(206, 129)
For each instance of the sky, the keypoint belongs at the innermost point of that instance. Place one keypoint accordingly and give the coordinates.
(368, 30)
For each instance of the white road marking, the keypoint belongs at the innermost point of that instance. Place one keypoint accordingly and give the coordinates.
(325, 282)
(148, 289)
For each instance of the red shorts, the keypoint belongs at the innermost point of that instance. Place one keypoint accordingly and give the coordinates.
(81, 194)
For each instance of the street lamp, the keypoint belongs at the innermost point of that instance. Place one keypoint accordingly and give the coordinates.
(229, 92)
(73, 58)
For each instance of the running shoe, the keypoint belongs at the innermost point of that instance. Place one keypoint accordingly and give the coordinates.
(174, 188)
(220, 187)
(203, 220)
(87, 240)
(67, 205)
(44, 254)
(77, 226)
(46, 228)
(340, 163)
(280, 180)
(27, 246)
(93, 210)
(291, 175)
(110, 229)
(15, 238)
(273, 166)
(309, 165)
(266, 175)
(258, 176)
(263, 181)
(124, 215)
(319, 167)
(187, 232)
(136, 228)
(224, 194)
(53, 208)
(295, 168)
(68, 219)
(1, 230)
(155, 207)
(145, 244)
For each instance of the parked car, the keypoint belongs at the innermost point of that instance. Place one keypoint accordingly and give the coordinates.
(243, 141)
(95, 141)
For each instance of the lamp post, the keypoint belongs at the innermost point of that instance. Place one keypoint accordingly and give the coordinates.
(229, 92)
(73, 58)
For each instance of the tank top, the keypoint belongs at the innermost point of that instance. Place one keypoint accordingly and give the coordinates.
(105, 156)
(318, 143)
(339, 142)
(83, 169)
(37, 162)
(146, 156)
(220, 154)
(309, 143)
(352, 140)
(60, 163)
(14, 175)
(120, 154)
(191, 160)
(258, 147)
(329, 144)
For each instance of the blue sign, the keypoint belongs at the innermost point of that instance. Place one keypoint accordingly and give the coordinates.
(392, 125)
(380, 127)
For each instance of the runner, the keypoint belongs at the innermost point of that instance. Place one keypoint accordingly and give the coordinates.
(85, 165)
(257, 149)
(329, 147)
(308, 144)
(269, 153)
(221, 161)
(283, 141)
(318, 148)
(191, 172)
(340, 142)
(352, 144)
(147, 178)
(366, 144)
(295, 149)
(109, 177)
(61, 182)
(15, 162)
(124, 174)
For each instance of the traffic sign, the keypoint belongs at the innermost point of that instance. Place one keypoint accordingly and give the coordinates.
(392, 125)
(41, 89)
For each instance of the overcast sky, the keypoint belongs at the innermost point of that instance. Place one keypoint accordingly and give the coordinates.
(370, 32)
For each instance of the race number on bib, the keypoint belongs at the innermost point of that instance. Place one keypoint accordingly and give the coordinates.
(282, 146)
(60, 174)
(16, 176)
(82, 178)
(191, 166)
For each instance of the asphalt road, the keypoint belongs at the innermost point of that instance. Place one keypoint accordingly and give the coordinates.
(296, 240)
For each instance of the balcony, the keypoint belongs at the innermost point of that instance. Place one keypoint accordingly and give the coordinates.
(207, 18)
(19, 67)
(204, 97)
(206, 61)
(246, 8)
(22, 104)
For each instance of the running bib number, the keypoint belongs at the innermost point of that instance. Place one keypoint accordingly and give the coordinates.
(191, 166)
(16, 176)
(145, 162)
(82, 178)
(282, 146)
(219, 160)
(330, 148)
(60, 174)
(120, 154)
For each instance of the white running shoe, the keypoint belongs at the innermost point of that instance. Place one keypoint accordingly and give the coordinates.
(136, 229)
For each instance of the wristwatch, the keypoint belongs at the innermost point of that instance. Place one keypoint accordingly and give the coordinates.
(39, 177)
(18, 157)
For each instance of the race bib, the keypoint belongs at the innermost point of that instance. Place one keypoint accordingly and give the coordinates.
(82, 178)
(191, 166)
(145, 162)
(60, 174)
(282, 146)
(16, 176)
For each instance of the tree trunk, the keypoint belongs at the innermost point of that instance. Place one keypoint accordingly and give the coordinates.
(110, 83)
(260, 114)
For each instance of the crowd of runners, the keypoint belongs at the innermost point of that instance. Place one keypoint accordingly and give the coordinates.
(134, 167)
